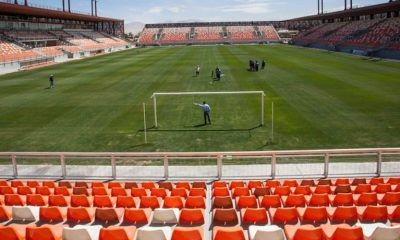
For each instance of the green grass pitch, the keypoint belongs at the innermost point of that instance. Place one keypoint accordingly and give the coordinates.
(322, 100)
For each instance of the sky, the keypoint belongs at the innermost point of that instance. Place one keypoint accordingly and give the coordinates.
(159, 11)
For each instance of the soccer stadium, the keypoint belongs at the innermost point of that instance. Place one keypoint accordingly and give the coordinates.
(199, 120)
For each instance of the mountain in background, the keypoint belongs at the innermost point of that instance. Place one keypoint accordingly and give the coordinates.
(134, 27)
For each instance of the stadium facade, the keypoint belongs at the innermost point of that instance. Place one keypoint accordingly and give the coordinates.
(32, 37)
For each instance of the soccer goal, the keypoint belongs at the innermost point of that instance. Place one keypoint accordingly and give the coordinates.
(261, 95)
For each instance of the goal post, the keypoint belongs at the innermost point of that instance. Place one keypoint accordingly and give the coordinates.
(154, 97)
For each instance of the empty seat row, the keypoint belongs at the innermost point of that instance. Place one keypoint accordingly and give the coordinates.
(57, 232)
(306, 182)
(126, 185)
(324, 232)
(135, 192)
(103, 201)
(312, 215)
(306, 190)
(83, 215)
(300, 200)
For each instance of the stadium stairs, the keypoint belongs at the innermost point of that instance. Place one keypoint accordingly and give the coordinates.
(317, 209)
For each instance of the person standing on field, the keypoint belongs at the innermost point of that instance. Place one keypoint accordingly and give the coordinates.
(206, 111)
(263, 64)
(197, 70)
(51, 81)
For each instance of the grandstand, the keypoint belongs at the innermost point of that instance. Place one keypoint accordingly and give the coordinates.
(27, 42)
(208, 33)
(371, 31)
(84, 161)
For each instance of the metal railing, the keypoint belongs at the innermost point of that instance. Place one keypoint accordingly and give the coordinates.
(202, 165)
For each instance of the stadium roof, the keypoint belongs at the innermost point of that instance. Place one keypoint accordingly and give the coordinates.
(8, 8)
(374, 9)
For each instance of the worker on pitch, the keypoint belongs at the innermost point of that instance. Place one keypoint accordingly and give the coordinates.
(51, 81)
(206, 110)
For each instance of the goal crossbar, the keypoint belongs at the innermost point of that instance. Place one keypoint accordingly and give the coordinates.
(154, 97)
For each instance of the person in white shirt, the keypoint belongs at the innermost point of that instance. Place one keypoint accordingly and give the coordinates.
(206, 110)
(197, 70)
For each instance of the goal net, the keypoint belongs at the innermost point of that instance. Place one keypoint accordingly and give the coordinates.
(229, 110)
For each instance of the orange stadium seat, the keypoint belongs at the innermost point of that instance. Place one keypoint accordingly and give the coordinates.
(366, 199)
(303, 232)
(62, 191)
(24, 190)
(240, 191)
(150, 202)
(219, 184)
(192, 217)
(36, 200)
(225, 217)
(390, 198)
(343, 214)
(254, 216)
(294, 200)
(130, 185)
(195, 202)
(188, 233)
(5, 213)
(148, 185)
(13, 200)
(246, 202)
(103, 201)
(342, 232)
(272, 183)
(80, 215)
(184, 185)
(181, 192)
(44, 190)
(282, 190)
(173, 202)
(166, 185)
(382, 188)
(139, 192)
(159, 192)
(317, 200)
(342, 199)
(284, 215)
(222, 202)
(373, 214)
(137, 216)
(235, 184)
(52, 214)
(261, 191)
(231, 233)
(126, 202)
(111, 185)
(197, 192)
(290, 183)
(45, 232)
(118, 191)
(13, 232)
(305, 190)
(269, 201)
(81, 201)
(59, 201)
(221, 192)
(307, 182)
(117, 233)
(362, 188)
(199, 185)
(313, 215)
(254, 184)
(109, 215)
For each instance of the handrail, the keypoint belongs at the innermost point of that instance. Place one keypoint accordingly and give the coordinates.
(272, 160)
(194, 154)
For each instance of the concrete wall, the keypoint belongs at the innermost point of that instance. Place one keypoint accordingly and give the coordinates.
(9, 67)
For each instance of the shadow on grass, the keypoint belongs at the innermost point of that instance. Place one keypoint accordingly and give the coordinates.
(198, 129)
